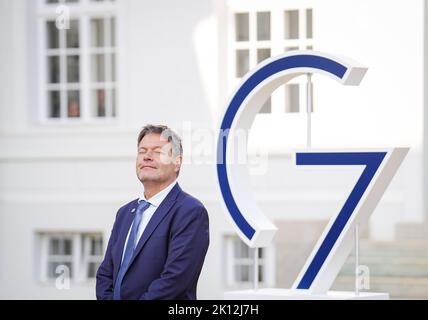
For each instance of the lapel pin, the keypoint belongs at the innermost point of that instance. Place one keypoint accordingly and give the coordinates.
(133, 210)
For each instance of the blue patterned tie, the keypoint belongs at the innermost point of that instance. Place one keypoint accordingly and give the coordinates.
(130, 246)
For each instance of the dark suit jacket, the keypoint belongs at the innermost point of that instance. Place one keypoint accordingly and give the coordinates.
(168, 257)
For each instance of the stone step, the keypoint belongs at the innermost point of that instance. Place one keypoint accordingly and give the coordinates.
(398, 267)
(390, 266)
(397, 287)
(403, 248)
(405, 231)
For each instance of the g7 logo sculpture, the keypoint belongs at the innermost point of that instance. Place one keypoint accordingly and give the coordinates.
(253, 227)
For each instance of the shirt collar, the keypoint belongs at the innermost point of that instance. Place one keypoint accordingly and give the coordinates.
(157, 199)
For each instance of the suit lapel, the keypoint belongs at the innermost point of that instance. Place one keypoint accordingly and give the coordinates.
(157, 217)
(123, 233)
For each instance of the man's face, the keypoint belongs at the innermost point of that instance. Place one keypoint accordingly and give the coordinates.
(155, 162)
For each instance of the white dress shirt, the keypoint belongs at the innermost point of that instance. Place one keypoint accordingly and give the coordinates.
(154, 201)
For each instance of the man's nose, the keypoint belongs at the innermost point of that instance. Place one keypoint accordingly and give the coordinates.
(148, 156)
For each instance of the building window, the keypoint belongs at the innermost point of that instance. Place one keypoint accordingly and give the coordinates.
(80, 253)
(92, 254)
(78, 59)
(260, 34)
(292, 97)
(239, 264)
(102, 67)
(60, 253)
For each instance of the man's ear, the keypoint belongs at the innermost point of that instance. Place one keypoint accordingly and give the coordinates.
(177, 162)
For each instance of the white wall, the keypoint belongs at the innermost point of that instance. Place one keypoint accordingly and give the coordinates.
(75, 177)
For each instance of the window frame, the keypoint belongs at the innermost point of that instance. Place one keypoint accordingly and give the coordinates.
(87, 256)
(277, 44)
(267, 262)
(83, 11)
(80, 255)
(46, 258)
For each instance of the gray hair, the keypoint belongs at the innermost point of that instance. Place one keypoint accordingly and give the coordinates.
(167, 134)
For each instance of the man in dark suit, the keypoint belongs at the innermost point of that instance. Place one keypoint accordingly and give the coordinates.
(158, 243)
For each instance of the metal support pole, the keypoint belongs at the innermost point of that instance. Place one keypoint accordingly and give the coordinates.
(309, 110)
(256, 269)
(357, 262)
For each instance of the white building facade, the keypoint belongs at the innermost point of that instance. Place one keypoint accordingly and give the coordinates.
(73, 98)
